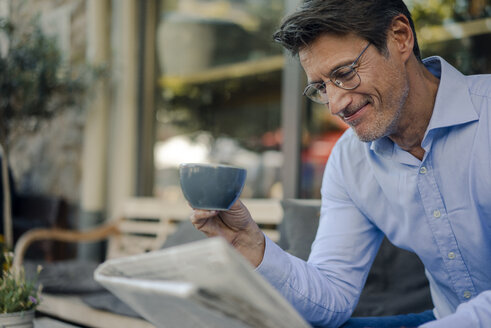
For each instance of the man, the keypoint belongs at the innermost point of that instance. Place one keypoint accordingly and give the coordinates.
(415, 166)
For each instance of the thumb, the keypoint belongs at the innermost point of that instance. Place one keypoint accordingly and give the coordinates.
(238, 209)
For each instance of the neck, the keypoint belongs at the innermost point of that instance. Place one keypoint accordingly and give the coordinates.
(417, 110)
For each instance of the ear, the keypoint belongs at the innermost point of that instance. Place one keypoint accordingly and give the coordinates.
(400, 37)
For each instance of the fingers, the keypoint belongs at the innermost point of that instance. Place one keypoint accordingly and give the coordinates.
(199, 217)
(204, 221)
(238, 209)
(203, 214)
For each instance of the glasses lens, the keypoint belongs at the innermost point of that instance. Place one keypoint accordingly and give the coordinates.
(345, 77)
(317, 93)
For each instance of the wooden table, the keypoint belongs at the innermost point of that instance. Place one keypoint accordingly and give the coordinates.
(46, 322)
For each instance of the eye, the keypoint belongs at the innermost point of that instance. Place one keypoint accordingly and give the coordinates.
(321, 87)
(314, 88)
(344, 73)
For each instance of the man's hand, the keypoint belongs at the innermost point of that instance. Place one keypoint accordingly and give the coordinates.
(236, 226)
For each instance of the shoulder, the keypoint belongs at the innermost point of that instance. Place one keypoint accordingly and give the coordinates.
(480, 92)
(480, 85)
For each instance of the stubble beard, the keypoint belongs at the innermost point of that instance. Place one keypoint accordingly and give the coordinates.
(380, 127)
(386, 121)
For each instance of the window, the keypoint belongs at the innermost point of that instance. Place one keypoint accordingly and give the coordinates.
(220, 88)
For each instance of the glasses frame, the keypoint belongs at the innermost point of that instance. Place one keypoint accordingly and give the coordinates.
(319, 86)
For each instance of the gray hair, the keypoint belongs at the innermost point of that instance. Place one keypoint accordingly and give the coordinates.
(368, 19)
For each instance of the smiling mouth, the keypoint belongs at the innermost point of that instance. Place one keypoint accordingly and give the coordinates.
(349, 115)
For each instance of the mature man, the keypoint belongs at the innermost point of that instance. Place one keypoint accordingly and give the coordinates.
(415, 166)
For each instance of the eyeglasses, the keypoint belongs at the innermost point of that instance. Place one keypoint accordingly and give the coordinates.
(344, 77)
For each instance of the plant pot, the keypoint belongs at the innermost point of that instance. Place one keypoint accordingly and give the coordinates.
(24, 319)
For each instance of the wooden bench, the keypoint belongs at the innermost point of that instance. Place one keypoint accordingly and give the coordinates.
(142, 226)
(267, 213)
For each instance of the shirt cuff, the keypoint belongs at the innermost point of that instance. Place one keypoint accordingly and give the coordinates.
(275, 266)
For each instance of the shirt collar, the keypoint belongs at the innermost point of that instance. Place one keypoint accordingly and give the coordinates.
(453, 105)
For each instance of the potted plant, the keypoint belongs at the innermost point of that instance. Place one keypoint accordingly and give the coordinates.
(19, 295)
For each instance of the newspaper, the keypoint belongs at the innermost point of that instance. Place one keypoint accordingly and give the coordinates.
(201, 284)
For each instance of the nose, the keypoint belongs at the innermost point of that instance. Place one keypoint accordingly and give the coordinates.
(338, 99)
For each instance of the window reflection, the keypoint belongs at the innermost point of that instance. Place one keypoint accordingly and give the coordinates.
(457, 30)
(219, 91)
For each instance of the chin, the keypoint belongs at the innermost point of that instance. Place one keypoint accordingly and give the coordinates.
(378, 129)
(369, 135)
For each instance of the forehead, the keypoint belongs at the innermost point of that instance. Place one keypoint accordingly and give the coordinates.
(328, 52)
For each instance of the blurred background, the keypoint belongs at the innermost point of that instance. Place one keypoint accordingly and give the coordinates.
(124, 90)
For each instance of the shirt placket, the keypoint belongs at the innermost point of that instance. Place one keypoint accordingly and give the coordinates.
(438, 221)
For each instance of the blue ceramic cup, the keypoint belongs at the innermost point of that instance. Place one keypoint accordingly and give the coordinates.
(211, 186)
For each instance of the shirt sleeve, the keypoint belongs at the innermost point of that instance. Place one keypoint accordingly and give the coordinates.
(326, 288)
(473, 314)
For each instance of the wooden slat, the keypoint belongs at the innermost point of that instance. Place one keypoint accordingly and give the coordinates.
(73, 309)
(125, 245)
(152, 208)
(142, 227)
(177, 210)
(46, 322)
(264, 211)
(274, 235)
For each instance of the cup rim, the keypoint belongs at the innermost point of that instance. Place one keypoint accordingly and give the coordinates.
(211, 165)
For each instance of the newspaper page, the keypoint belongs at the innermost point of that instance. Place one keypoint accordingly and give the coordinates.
(201, 284)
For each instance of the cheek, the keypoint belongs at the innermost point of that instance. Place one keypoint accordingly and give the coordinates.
(384, 82)
(376, 87)
(393, 86)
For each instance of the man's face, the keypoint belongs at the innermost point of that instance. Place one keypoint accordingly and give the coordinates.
(374, 108)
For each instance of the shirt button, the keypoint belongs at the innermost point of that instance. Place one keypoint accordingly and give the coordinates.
(467, 294)
(423, 170)
(436, 213)
(451, 255)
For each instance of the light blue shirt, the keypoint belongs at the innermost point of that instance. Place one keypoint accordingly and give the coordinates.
(438, 208)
